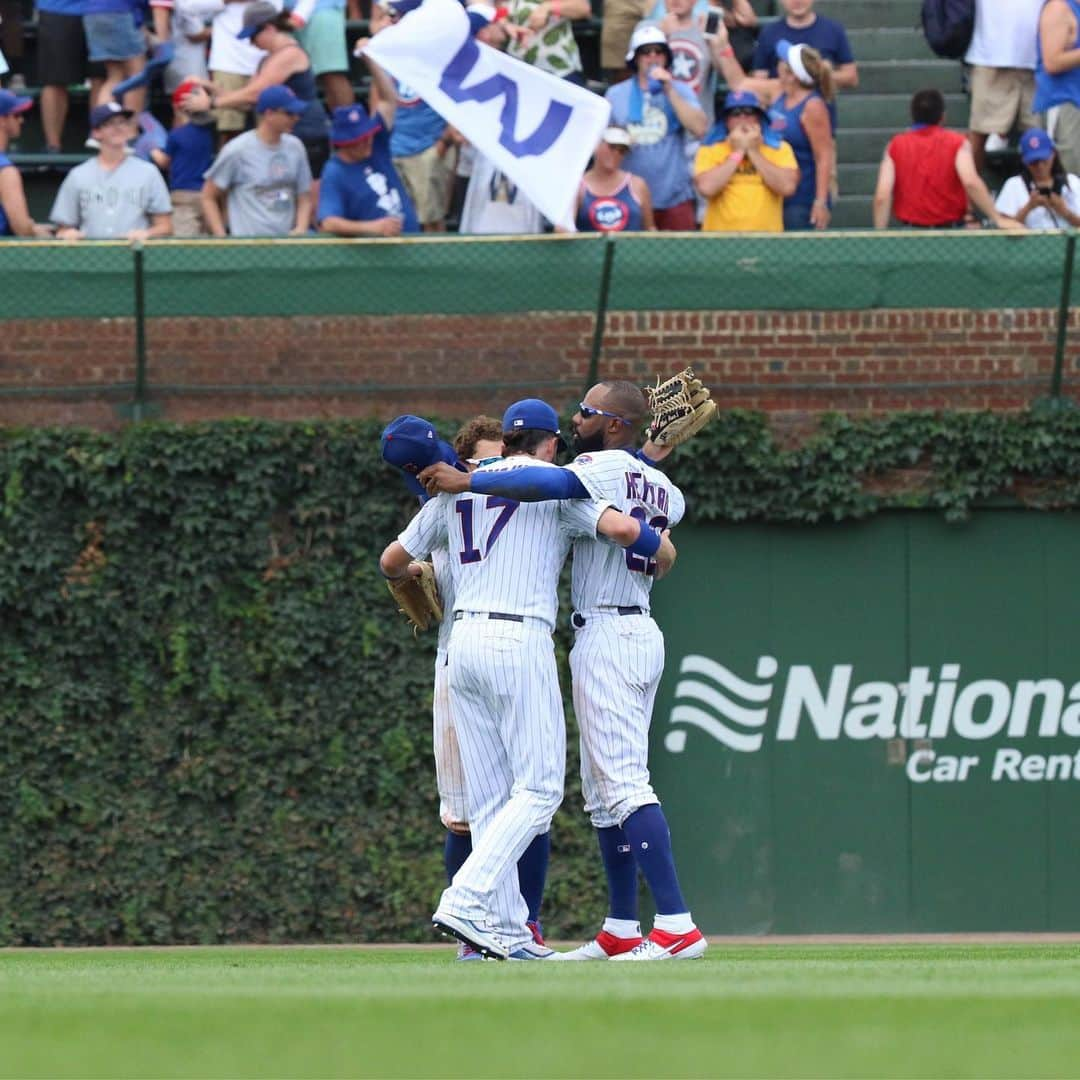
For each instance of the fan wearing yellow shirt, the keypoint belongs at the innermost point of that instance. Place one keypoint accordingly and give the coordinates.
(747, 175)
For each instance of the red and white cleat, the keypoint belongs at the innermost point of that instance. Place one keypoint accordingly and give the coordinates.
(660, 945)
(604, 946)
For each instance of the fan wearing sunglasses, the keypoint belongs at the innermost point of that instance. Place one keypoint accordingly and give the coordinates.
(616, 663)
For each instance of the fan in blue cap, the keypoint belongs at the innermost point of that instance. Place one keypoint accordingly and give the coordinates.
(1045, 195)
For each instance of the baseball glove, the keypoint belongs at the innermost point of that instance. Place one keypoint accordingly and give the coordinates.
(681, 407)
(418, 597)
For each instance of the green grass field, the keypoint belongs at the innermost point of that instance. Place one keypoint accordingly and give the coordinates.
(772, 1010)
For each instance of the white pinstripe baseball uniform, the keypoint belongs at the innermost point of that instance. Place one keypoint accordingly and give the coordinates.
(449, 775)
(618, 653)
(504, 688)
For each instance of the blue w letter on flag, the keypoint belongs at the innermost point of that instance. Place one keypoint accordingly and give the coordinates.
(549, 129)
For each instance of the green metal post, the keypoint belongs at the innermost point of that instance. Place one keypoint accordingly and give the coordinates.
(601, 312)
(1063, 317)
(138, 406)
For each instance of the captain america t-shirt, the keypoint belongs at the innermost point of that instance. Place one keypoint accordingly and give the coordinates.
(366, 190)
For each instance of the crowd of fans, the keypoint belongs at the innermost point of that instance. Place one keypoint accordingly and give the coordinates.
(267, 139)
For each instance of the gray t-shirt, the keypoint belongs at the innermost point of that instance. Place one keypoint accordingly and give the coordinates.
(691, 64)
(106, 204)
(263, 183)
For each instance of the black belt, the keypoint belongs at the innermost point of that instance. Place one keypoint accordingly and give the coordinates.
(578, 621)
(501, 615)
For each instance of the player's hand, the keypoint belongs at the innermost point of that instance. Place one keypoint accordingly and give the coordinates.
(665, 555)
(443, 477)
(361, 44)
(69, 233)
(661, 75)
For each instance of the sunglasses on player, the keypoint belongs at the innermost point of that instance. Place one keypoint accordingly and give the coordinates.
(743, 112)
(652, 50)
(588, 412)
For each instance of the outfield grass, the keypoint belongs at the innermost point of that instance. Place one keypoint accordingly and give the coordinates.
(881, 1010)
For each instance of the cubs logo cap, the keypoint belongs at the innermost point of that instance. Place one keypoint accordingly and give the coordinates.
(411, 443)
(1036, 145)
(351, 124)
(530, 414)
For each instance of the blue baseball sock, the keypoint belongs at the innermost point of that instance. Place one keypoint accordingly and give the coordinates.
(456, 850)
(621, 871)
(650, 840)
(532, 873)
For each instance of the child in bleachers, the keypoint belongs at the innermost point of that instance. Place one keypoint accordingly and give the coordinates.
(188, 153)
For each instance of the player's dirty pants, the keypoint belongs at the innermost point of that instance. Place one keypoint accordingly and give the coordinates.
(616, 664)
(504, 696)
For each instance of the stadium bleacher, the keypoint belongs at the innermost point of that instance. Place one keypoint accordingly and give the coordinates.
(894, 61)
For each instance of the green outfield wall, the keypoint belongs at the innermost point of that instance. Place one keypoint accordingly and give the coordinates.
(454, 275)
(875, 726)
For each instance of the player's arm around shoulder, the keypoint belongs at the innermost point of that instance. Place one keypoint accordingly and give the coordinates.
(637, 537)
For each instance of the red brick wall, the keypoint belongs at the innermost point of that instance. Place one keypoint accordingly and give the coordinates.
(792, 364)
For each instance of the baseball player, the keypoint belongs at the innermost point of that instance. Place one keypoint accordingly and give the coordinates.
(505, 559)
(616, 664)
(411, 444)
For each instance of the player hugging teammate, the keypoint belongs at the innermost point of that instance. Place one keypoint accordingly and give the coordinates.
(505, 529)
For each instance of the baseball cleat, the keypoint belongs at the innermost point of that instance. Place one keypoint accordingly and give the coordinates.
(537, 931)
(467, 952)
(660, 945)
(469, 933)
(531, 951)
(604, 946)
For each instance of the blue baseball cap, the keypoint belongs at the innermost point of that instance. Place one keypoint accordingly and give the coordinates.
(102, 114)
(12, 105)
(742, 99)
(280, 97)
(351, 123)
(1036, 145)
(530, 414)
(411, 443)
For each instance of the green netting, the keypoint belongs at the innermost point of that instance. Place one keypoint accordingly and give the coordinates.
(63, 281)
(852, 271)
(439, 276)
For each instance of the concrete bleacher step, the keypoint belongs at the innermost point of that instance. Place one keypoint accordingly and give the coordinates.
(853, 212)
(872, 14)
(861, 144)
(858, 179)
(892, 110)
(907, 76)
(890, 43)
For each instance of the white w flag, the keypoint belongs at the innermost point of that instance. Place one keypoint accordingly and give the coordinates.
(539, 130)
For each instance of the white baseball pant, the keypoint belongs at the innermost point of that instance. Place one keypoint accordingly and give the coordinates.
(504, 695)
(616, 664)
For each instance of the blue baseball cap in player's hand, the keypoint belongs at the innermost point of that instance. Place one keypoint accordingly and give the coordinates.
(410, 443)
(530, 414)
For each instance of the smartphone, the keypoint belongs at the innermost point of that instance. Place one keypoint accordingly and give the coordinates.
(713, 19)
